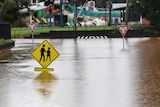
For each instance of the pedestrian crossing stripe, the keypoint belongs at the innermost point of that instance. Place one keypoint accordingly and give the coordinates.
(45, 54)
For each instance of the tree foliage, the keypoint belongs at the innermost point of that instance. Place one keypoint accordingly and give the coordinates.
(149, 9)
(78, 2)
(8, 10)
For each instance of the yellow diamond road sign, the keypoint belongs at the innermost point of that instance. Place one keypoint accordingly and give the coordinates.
(45, 54)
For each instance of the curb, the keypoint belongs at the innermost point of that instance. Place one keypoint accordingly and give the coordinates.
(7, 45)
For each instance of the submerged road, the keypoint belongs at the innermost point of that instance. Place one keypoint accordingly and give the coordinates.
(88, 73)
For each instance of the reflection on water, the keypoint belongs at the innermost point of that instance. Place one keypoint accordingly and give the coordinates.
(45, 77)
(88, 73)
(44, 81)
(5, 55)
(149, 72)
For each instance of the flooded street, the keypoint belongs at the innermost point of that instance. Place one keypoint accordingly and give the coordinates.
(87, 73)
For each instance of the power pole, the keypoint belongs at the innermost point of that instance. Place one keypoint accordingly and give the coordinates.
(109, 9)
(61, 15)
(75, 15)
(127, 12)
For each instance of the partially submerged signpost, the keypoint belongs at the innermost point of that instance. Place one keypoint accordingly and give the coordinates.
(45, 54)
(31, 26)
(123, 30)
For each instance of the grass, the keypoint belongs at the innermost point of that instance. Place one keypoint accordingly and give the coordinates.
(5, 40)
(6, 43)
(21, 32)
(24, 31)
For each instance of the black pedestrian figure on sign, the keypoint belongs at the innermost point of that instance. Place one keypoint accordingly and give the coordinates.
(42, 53)
(48, 54)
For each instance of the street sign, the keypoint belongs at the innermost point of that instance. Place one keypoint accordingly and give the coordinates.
(31, 26)
(45, 54)
(123, 29)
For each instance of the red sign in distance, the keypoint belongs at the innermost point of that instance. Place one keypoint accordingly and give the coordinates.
(123, 29)
(31, 26)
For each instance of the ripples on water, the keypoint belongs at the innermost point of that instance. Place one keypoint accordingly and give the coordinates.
(100, 71)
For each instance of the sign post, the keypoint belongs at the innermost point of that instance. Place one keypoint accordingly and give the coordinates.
(31, 26)
(123, 30)
(45, 54)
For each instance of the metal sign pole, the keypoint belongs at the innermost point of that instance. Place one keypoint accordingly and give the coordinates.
(123, 42)
(33, 38)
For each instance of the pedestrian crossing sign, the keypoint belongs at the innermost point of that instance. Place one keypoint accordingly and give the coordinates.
(45, 54)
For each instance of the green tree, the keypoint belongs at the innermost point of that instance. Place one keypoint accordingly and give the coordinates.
(78, 2)
(8, 10)
(149, 9)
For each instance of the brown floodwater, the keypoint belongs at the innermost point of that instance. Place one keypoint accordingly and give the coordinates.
(88, 73)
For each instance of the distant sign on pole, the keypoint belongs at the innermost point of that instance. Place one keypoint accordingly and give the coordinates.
(31, 26)
(123, 29)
